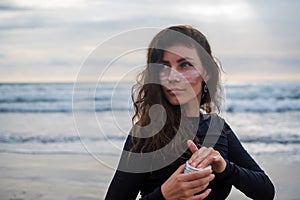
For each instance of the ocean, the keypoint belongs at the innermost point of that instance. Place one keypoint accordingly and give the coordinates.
(40, 118)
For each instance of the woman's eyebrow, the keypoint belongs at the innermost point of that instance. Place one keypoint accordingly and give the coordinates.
(164, 62)
(184, 59)
(178, 61)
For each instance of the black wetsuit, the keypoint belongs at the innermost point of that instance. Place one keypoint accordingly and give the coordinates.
(241, 171)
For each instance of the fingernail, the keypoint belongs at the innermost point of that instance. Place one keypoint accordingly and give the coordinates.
(193, 164)
(190, 161)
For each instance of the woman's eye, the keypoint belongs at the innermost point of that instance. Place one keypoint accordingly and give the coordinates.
(186, 64)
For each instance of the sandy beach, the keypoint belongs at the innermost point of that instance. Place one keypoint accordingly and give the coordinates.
(81, 177)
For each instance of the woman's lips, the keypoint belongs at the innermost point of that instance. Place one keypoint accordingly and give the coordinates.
(175, 91)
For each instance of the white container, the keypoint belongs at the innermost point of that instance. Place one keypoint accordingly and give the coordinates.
(188, 168)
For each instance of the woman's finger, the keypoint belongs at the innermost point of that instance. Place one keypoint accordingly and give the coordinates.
(180, 169)
(199, 156)
(197, 185)
(216, 161)
(192, 146)
(201, 196)
(201, 182)
(207, 161)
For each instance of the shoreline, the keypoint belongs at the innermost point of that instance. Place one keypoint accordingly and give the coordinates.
(82, 177)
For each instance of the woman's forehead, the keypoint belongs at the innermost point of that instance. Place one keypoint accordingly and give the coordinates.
(181, 51)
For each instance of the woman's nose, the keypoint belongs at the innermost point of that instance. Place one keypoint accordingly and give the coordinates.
(174, 76)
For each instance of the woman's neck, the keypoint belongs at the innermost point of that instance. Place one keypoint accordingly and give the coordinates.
(191, 108)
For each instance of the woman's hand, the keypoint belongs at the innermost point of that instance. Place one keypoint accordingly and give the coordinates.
(204, 156)
(185, 186)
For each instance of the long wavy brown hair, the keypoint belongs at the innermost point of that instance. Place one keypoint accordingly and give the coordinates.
(148, 92)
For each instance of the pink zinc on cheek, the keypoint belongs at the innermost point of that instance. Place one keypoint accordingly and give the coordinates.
(191, 76)
(163, 76)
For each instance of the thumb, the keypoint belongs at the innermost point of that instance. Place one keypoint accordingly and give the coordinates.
(193, 148)
(180, 169)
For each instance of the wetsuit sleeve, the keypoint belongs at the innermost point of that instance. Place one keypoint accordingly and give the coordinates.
(127, 185)
(244, 173)
(124, 185)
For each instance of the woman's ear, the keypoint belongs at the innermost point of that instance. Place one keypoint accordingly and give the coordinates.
(206, 77)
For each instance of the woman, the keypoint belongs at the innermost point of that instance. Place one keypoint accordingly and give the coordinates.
(176, 99)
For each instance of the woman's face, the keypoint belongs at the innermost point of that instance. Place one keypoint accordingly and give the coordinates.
(182, 75)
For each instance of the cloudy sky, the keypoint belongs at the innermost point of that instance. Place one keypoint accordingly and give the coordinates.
(53, 40)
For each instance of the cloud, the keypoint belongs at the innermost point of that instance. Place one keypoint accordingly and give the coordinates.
(9, 6)
(61, 34)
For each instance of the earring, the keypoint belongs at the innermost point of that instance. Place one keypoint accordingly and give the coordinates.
(205, 90)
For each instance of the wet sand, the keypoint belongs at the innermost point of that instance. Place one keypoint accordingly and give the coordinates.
(81, 177)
